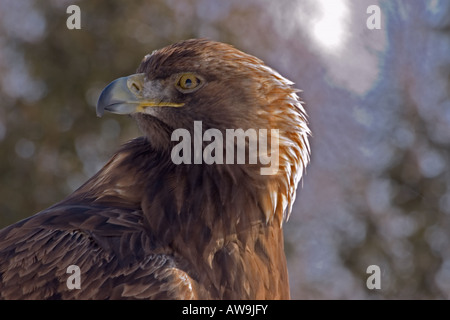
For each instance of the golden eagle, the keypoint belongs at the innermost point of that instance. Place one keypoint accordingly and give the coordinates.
(149, 227)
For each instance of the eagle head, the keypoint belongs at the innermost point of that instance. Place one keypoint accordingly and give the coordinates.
(214, 84)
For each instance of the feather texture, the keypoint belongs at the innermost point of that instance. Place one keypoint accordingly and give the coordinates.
(146, 228)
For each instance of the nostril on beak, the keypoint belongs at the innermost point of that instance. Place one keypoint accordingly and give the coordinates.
(135, 87)
(135, 84)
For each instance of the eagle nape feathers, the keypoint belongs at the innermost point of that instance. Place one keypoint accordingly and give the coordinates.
(176, 213)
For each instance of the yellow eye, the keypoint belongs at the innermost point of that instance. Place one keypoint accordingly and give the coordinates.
(188, 82)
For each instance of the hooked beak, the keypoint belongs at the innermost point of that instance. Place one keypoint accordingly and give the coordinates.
(125, 96)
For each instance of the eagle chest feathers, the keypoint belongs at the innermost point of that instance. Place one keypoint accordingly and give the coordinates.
(148, 227)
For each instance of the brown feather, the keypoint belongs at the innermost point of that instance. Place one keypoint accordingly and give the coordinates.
(145, 228)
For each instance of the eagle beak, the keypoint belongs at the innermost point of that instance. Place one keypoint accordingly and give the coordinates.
(125, 96)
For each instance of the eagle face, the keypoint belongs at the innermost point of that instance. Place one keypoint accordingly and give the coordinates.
(198, 80)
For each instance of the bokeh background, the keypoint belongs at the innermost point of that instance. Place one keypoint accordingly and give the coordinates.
(378, 187)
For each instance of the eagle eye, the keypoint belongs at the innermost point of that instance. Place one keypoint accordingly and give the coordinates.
(188, 82)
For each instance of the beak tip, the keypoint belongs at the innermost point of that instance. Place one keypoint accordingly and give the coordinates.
(99, 112)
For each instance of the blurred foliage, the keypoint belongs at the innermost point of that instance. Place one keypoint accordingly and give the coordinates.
(378, 188)
(54, 141)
